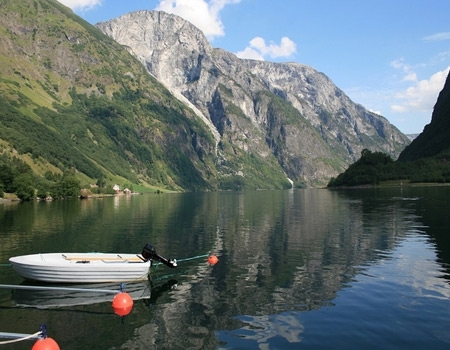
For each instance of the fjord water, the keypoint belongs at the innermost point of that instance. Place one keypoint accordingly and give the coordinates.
(298, 269)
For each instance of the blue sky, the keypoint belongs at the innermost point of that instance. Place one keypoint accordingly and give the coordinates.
(391, 56)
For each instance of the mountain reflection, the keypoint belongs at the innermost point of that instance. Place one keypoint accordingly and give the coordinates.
(282, 255)
(279, 251)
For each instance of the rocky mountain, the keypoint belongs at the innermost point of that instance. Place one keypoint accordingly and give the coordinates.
(73, 100)
(434, 141)
(161, 108)
(286, 116)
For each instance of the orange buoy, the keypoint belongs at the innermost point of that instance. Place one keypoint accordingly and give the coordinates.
(212, 259)
(122, 304)
(45, 344)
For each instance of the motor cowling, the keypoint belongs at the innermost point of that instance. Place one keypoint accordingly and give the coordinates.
(149, 253)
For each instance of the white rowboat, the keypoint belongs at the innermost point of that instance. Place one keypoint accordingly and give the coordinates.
(81, 267)
(87, 267)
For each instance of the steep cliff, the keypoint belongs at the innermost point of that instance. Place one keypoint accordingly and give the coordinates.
(286, 115)
(435, 138)
(425, 160)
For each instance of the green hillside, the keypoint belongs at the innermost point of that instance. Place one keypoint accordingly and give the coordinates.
(74, 101)
(78, 110)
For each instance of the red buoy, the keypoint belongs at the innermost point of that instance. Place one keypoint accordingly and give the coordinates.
(122, 304)
(45, 344)
(212, 259)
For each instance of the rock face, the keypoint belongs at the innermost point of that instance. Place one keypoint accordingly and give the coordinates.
(434, 141)
(287, 114)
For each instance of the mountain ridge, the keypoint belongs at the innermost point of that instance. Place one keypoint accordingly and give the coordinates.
(74, 101)
(226, 89)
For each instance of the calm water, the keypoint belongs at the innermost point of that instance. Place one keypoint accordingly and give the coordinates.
(299, 269)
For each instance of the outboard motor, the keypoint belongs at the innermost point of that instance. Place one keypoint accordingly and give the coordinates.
(149, 253)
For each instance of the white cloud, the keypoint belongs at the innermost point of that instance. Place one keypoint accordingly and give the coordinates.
(203, 14)
(443, 56)
(437, 36)
(422, 95)
(250, 53)
(259, 49)
(375, 111)
(411, 76)
(81, 4)
(400, 64)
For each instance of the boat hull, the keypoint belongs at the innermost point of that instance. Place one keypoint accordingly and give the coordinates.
(81, 267)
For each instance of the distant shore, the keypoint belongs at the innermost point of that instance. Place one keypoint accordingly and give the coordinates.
(13, 198)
